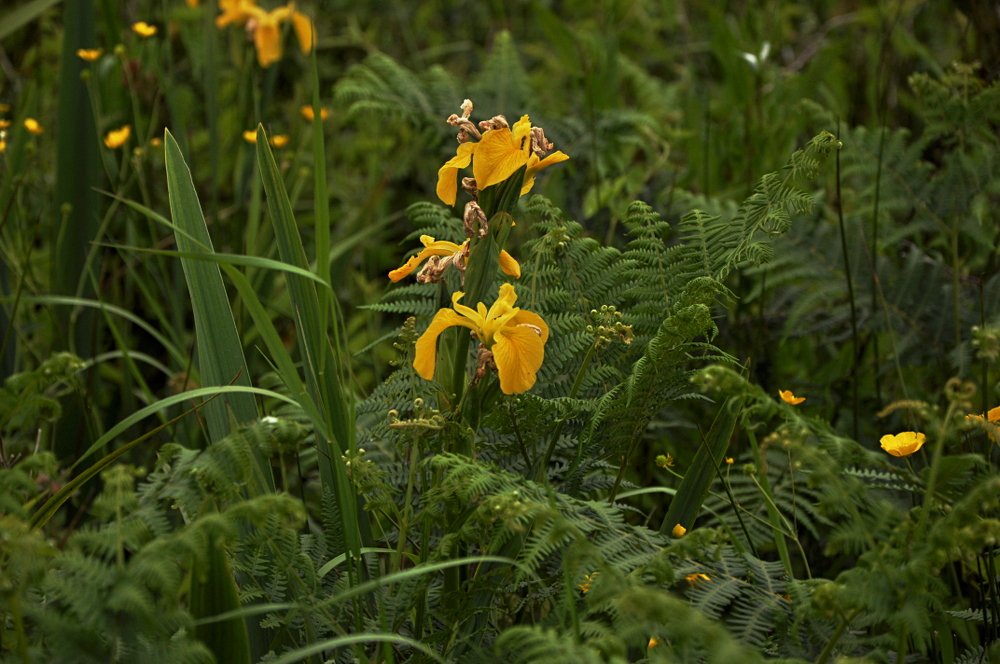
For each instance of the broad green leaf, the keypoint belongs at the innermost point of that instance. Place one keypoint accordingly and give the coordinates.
(220, 353)
(698, 479)
(214, 592)
(15, 19)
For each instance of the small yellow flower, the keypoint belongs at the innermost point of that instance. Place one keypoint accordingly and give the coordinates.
(498, 155)
(3, 145)
(515, 337)
(279, 141)
(678, 531)
(788, 397)
(90, 54)
(902, 444)
(4, 124)
(155, 142)
(250, 136)
(729, 460)
(31, 124)
(665, 461)
(143, 29)
(434, 247)
(993, 416)
(307, 113)
(117, 137)
(695, 580)
(588, 579)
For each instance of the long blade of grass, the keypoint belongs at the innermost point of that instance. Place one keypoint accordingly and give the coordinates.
(179, 357)
(322, 376)
(143, 413)
(45, 512)
(220, 353)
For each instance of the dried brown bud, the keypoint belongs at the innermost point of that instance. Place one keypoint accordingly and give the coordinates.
(474, 221)
(484, 362)
(469, 184)
(539, 144)
(496, 122)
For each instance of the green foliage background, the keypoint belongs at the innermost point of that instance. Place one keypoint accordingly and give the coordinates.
(774, 196)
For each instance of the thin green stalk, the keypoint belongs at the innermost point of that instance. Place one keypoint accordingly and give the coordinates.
(772, 509)
(935, 467)
(732, 498)
(837, 633)
(850, 292)
(539, 473)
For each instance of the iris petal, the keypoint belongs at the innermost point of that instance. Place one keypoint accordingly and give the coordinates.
(518, 352)
(498, 156)
(509, 265)
(426, 356)
(447, 186)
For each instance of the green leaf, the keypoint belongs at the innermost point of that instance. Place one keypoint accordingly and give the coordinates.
(213, 592)
(26, 13)
(698, 479)
(220, 353)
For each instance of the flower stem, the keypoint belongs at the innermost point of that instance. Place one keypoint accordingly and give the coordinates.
(539, 472)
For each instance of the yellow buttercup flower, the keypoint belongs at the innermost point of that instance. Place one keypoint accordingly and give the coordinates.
(516, 338)
(695, 580)
(307, 113)
(31, 124)
(156, 142)
(250, 136)
(678, 531)
(788, 397)
(90, 54)
(144, 29)
(279, 141)
(652, 642)
(3, 145)
(902, 444)
(117, 137)
(498, 155)
(993, 416)
(434, 247)
(4, 124)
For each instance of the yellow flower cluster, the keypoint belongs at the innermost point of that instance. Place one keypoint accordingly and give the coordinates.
(265, 26)
(499, 154)
(512, 340)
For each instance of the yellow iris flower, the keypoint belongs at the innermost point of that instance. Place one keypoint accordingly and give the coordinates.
(434, 247)
(90, 54)
(498, 155)
(266, 26)
(902, 444)
(789, 398)
(117, 137)
(516, 338)
(143, 29)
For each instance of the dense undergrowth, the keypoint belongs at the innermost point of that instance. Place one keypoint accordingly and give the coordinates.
(730, 392)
